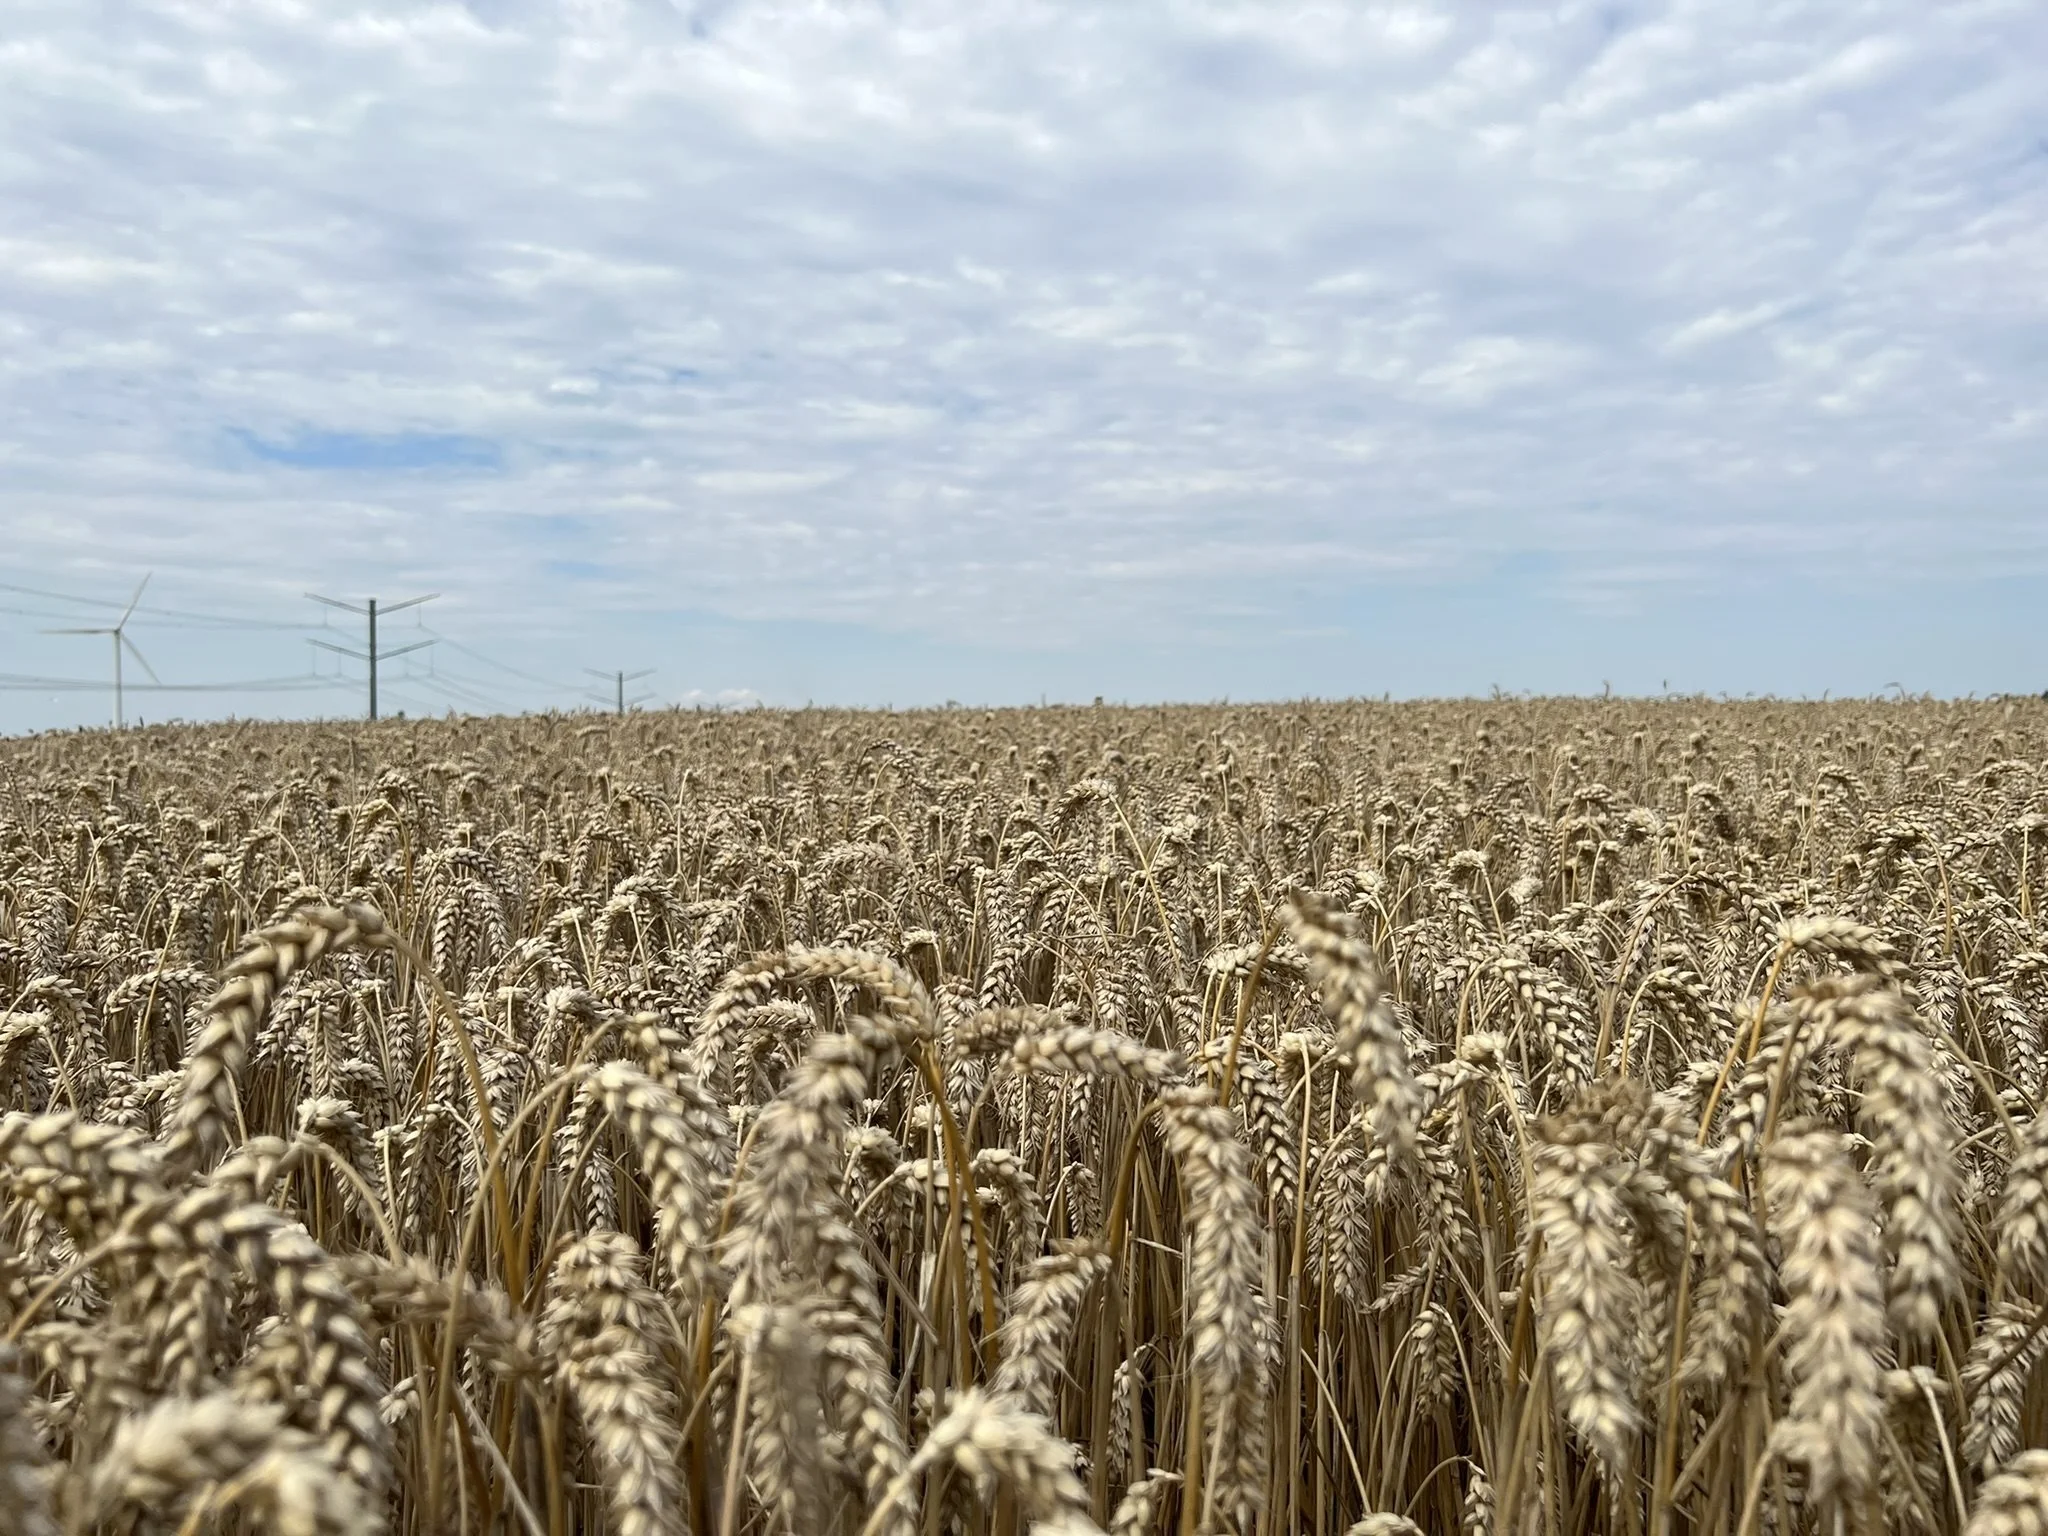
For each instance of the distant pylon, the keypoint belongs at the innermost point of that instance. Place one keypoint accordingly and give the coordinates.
(618, 680)
(371, 655)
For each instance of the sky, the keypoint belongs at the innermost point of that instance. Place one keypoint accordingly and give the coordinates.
(896, 353)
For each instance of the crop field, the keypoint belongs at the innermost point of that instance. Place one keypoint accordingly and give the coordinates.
(1534, 1117)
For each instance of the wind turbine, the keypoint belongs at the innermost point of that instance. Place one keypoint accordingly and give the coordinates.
(120, 638)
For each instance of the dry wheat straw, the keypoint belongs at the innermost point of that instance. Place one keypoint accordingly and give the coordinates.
(1138, 1510)
(1589, 1299)
(1368, 1037)
(2023, 1210)
(2015, 1503)
(1825, 1220)
(269, 958)
(1041, 1317)
(1227, 1310)
(600, 1328)
(721, 1100)
(997, 1443)
(25, 1469)
(227, 1453)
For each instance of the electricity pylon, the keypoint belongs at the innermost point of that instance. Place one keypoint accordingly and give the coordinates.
(619, 681)
(371, 656)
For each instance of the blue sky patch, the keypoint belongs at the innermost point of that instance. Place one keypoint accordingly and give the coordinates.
(374, 451)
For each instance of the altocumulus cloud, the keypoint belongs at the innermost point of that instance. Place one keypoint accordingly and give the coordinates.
(1157, 329)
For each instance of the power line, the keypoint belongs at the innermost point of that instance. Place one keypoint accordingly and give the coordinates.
(619, 681)
(415, 685)
(39, 613)
(451, 683)
(186, 616)
(492, 661)
(473, 691)
(18, 682)
(370, 656)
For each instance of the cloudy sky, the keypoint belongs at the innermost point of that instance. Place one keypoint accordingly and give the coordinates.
(896, 352)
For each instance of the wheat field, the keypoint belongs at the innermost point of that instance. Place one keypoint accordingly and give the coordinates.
(1515, 1116)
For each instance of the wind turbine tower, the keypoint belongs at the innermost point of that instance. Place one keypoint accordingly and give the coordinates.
(119, 635)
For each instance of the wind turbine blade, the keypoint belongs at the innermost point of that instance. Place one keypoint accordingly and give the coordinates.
(132, 651)
(135, 599)
(78, 631)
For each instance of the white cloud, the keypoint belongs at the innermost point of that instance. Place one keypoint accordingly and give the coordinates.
(718, 698)
(1720, 324)
(764, 482)
(1045, 313)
